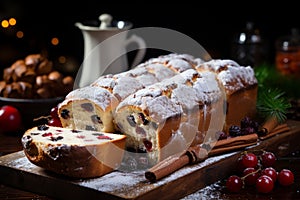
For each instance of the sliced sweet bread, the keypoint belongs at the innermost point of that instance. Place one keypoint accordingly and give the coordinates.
(88, 108)
(73, 153)
(167, 117)
(119, 86)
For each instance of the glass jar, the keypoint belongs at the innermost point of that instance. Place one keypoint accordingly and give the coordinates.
(287, 59)
(249, 47)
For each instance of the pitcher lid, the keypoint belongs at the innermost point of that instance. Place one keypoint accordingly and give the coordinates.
(105, 22)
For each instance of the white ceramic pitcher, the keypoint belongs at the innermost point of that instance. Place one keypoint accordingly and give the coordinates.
(105, 49)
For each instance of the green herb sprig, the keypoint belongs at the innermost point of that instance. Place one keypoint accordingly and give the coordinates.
(272, 103)
(272, 98)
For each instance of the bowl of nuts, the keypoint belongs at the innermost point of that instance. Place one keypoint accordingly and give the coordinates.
(34, 87)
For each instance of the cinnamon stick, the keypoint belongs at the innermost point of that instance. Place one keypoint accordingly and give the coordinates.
(269, 125)
(166, 167)
(244, 139)
(278, 130)
(197, 153)
(173, 163)
(221, 150)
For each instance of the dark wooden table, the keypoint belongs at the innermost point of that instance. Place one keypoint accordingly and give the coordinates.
(10, 143)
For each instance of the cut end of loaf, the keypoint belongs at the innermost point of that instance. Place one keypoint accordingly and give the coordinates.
(73, 153)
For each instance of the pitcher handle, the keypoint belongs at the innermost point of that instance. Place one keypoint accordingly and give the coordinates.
(141, 49)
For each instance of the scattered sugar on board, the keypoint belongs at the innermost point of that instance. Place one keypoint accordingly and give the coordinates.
(209, 192)
(132, 184)
(116, 182)
(21, 163)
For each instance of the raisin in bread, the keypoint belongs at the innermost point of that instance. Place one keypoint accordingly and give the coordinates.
(240, 85)
(167, 117)
(88, 108)
(73, 153)
(120, 86)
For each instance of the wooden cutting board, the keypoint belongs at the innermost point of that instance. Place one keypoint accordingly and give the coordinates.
(17, 171)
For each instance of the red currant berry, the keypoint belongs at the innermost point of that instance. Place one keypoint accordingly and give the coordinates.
(268, 159)
(250, 175)
(239, 166)
(234, 183)
(285, 177)
(271, 172)
(249, 160)
(264, 184)
(54, 112)
(54, 122)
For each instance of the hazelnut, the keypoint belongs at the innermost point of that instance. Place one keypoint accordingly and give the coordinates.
(7, 75)
(2, 87)
(55, 76)
(17, 64)
(12, 90)
(68, 83)
(42, 81)
(45, 67)
(31, 61)
(26, 89)
(19, 69)
(43, 93)
(28, 76)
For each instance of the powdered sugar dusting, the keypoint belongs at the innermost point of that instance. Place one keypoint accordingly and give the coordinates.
(22, 163)
(102, 97)
(232, 76)
(186, 96)
(162, 108)
(179, 64)
(171, 56)
(136, 72)
(160, 71)
(105, 81)
(134, 184)
(213, 191)
(207, 87)
(146, 79)
(126, 86)
(122, 183)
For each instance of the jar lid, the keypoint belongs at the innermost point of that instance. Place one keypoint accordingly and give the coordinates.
(249, 35)
(287, 41)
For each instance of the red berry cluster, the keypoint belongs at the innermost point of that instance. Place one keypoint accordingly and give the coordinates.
(258, 170)
(54, 120)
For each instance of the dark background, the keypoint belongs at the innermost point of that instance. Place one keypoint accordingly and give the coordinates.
(213, 24)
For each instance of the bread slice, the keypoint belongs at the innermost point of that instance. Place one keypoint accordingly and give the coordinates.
(88, 108)
(73, 153)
